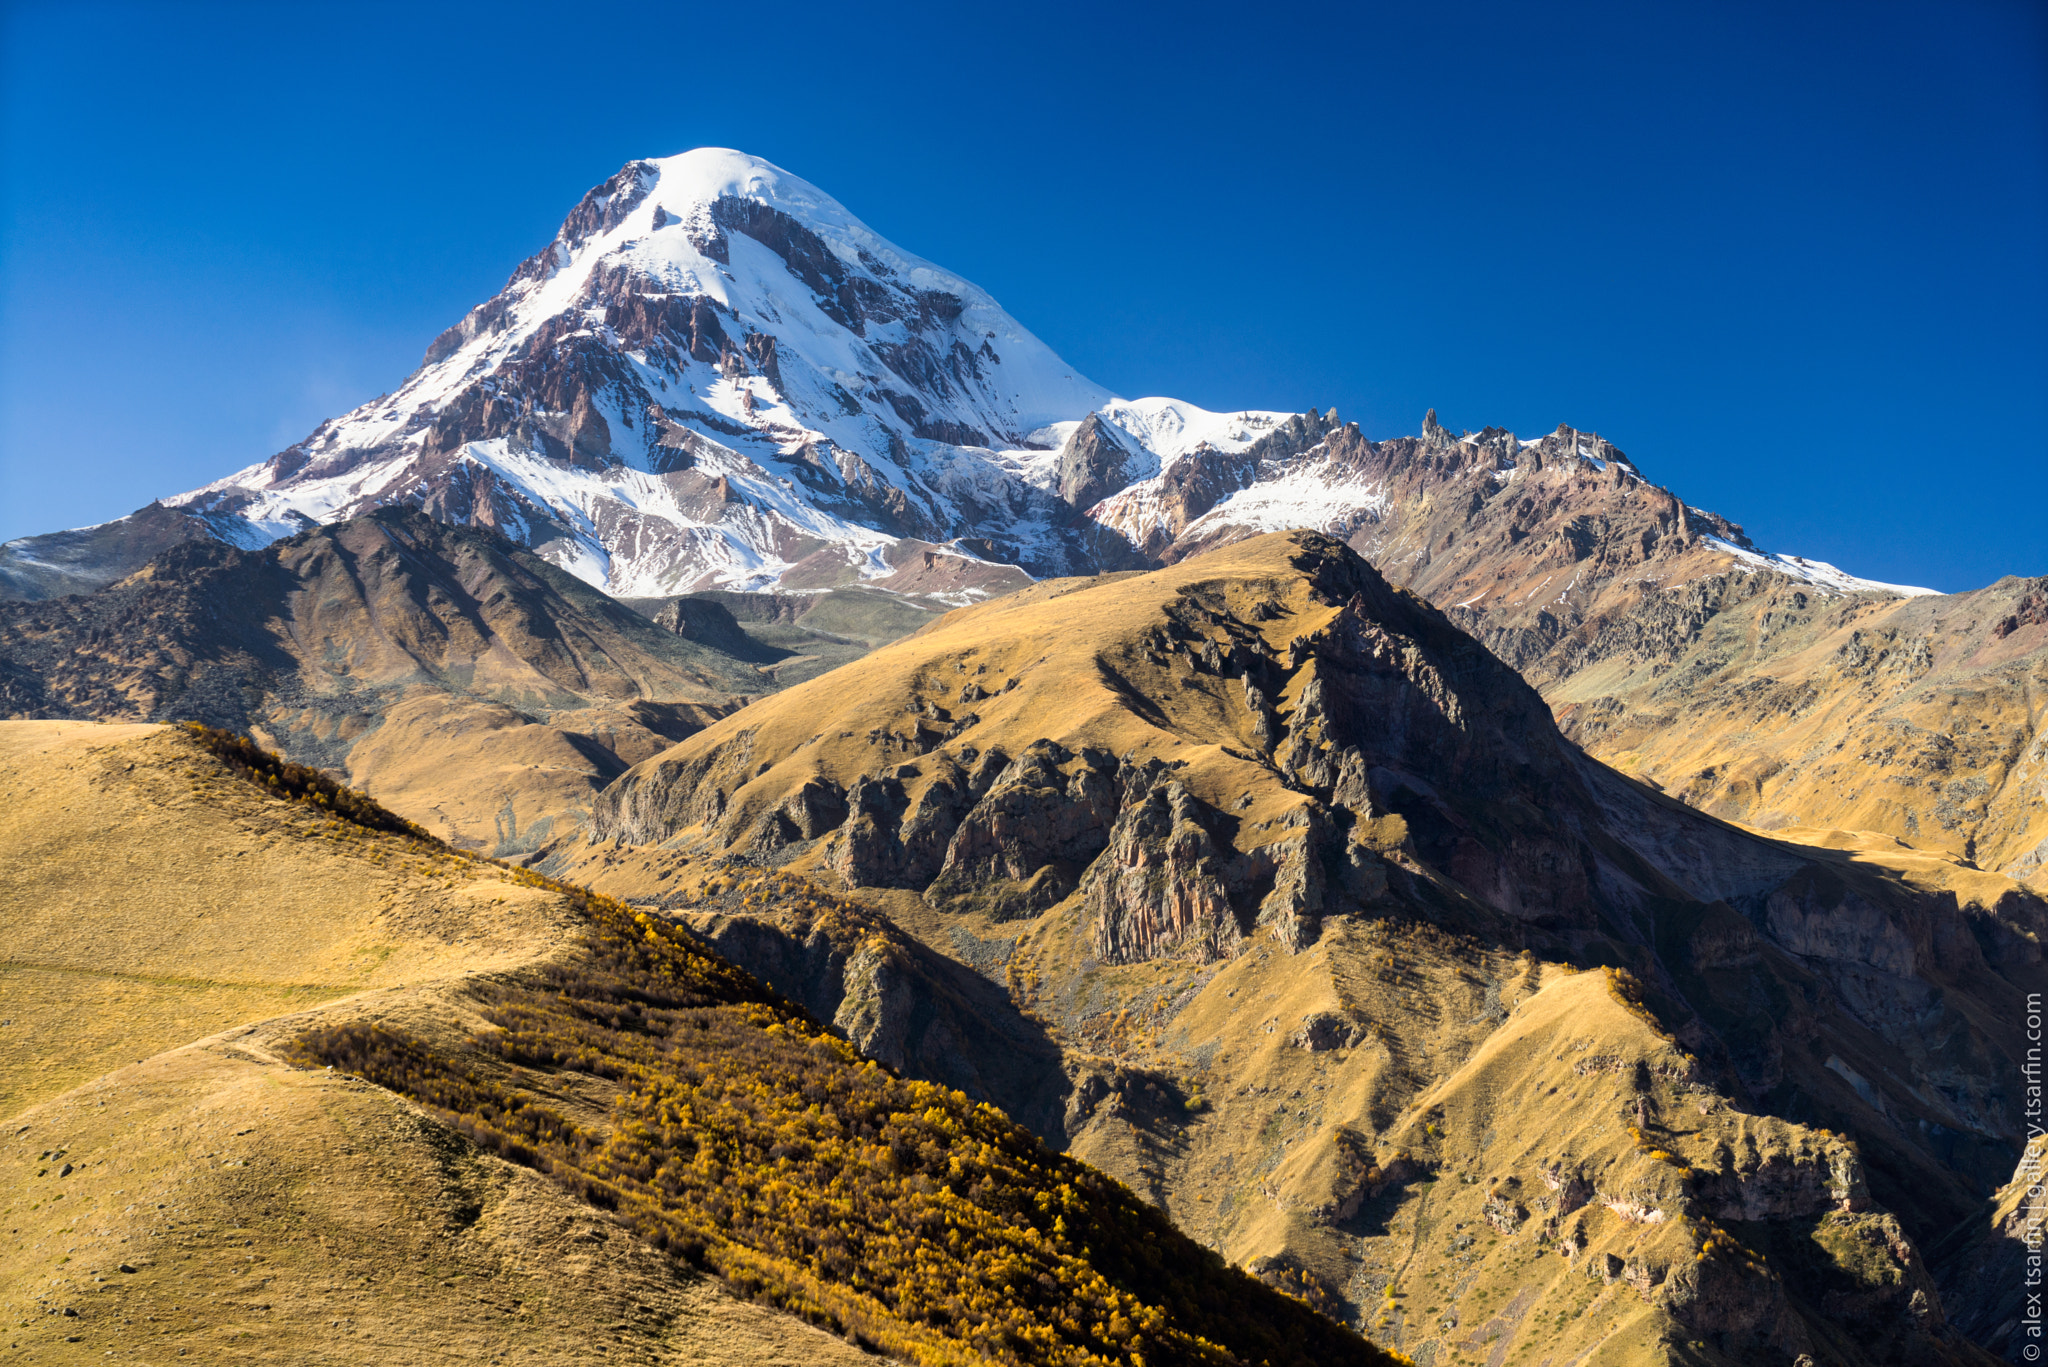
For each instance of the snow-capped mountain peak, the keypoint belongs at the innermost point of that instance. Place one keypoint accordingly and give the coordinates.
(713, 374)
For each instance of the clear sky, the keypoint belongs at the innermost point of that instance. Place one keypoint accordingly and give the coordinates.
(1793, 258)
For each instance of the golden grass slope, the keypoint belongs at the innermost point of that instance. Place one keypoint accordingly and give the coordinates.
(168, 928)
(743, 1137)
(230, 1199)
(272, 1215)
(152, 898)
(1920, 718)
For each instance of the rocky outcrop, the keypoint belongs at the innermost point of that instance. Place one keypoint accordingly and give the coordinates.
(1110, 1092)
(1780, 1185)
(1292, 911)
(650, 804)
(1873, 1275)
(1024, 846)
(1094, 463)
(868, 851)
(899, 840)
(1160, 885)
(1322, 1031)
(1383, 704)
(903, 1005)
(812, 810)
(1719, 1297)
(929, 822)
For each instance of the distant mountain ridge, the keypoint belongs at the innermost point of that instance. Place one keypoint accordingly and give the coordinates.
(475, 685)
(715, 376)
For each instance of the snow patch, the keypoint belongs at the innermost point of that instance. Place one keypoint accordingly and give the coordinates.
(1313, 493)
(1816, 572)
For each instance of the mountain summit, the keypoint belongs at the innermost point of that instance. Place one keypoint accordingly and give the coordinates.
(717, 376)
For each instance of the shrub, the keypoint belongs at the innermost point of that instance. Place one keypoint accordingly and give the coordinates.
(748, 1140)
(300, 783)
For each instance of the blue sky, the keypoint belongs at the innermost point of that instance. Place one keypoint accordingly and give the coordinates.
(1792, 258)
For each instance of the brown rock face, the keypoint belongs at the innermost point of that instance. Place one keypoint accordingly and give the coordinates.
(1352, 712)
(1093, 464)
(1160, 885)
(914, 1010)
(1045, 819)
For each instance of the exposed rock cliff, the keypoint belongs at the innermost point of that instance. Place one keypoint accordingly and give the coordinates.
(914, 1010)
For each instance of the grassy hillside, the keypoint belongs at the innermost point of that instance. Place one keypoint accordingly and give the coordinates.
(745, 1138)
(155, 897)
(1758, 700)
(609, 1112)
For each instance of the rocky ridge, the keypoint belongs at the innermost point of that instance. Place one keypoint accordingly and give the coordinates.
(1860, 705)
(1267, 776)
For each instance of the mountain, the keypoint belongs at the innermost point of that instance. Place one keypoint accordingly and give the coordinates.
(605, 1140)
(1370, 977)
(1671, 646)
(1761, 701)
(1271, 878)
(474, 686)
(714, 377)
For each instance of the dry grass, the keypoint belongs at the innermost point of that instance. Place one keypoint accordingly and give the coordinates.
(160, 909)
(177, 899)
(277, 1214)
